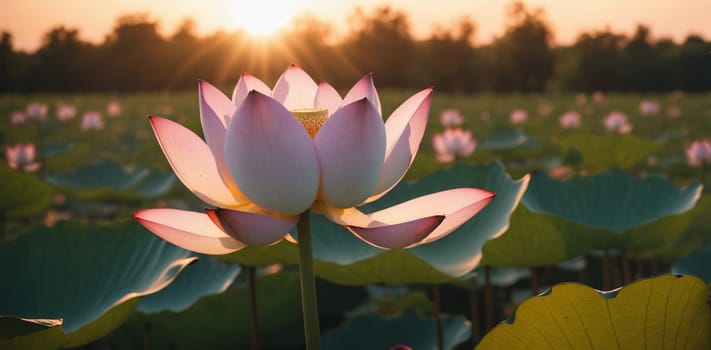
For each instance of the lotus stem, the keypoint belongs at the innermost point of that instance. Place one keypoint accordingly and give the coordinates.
(605, 270)
(626, 273)
(2, 225)
(437, 315)
(474, 305)
(489, 299)
(308, 284)
(146, 336)
(253, 303)
(534, 281)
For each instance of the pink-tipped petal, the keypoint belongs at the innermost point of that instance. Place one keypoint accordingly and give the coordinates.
(397, 236)
(351, 148)
(193, 162)
(252, 228)
(188, 229)
(295, 89)
(327, 97)
(271, 156)
(404, 130)
(364, 88)
(245, 84)
(457, 205)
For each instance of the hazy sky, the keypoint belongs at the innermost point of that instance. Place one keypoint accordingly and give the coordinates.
(28, 20)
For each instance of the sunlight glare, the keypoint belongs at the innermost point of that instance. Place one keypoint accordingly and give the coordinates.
(263, 17)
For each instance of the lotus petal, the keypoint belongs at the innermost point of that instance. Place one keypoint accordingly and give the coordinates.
(188, 229)
(400, 235)
(271, 156)
(252, 228)
(364, 88)
(348, 177)
(192, 162)
(327, 97)
(245, 84)
(404, 130)
(295, 89)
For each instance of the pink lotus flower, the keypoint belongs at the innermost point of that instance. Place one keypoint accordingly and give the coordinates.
(617, 122)
(17, 118)
(699, 153)
(451, 117)
(113, 108)
(674, 112)
(545, 108)
(92, 120)
(22, 156)
(581, 98)
(518, 116)
(649, 107)
(598, 97)
(270, 155)
(66, 112)
(570, 120)
(453, 143)
(36, 111)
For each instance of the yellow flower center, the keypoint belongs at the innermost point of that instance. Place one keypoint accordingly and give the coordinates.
(311, 118)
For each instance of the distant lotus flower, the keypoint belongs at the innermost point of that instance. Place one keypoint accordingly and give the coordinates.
(485, 115)
(518, 116)
(17, 118)
(570, 120)
(113, 108)
(453, 143)
(598, 97)
(674, 112)
(22, 156)
(560, 172)
(699, 153)
(450, 118)
(36, 111)
(581, 98)
(271, 155)
(617, 122)
(92, 120)
(649, 107)
(66, 112)
(545, 108)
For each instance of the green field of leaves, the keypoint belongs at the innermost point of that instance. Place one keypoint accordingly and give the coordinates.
(573, 205)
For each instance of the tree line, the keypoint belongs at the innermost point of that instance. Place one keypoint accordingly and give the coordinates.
(136, 57)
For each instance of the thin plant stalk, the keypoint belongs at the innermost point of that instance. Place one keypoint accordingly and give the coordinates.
(474, 305)
(2, 225)
(253, 303)
(626, 271)
(606, 270)
(534, 281)
(489, 299)
(437, 315)
(308, 284)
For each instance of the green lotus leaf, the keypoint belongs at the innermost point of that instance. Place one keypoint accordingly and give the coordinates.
(695, 263)
(284, 252)
(223, 321)
(53, 149)
(376, 332)
(206, 276)
(99, 174)
(665, 312)
(40, 334)
(536, 239)
(507, 140)
(343, 258)
(155, 184)
(79, 271)
(611, 200)
(609, 151)
(22, 193)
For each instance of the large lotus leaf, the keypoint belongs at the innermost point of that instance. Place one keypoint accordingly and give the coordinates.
(283, 252)
(155, 184)
(223, 321)
(610, 151)
(535, 239)
(18, 333)
(98, 179)
(450, 257)
(696, 263)
(22, 193)
(611, 200)
(665, 312)
(204, 277)
(507, 140)
(53, 149)
(77, 272)
(648, 240)
(417, 332)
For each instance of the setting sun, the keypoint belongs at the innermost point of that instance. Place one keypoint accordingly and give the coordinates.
(263, 17)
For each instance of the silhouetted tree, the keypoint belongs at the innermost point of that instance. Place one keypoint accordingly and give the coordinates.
(6, 62)
(449, 60)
